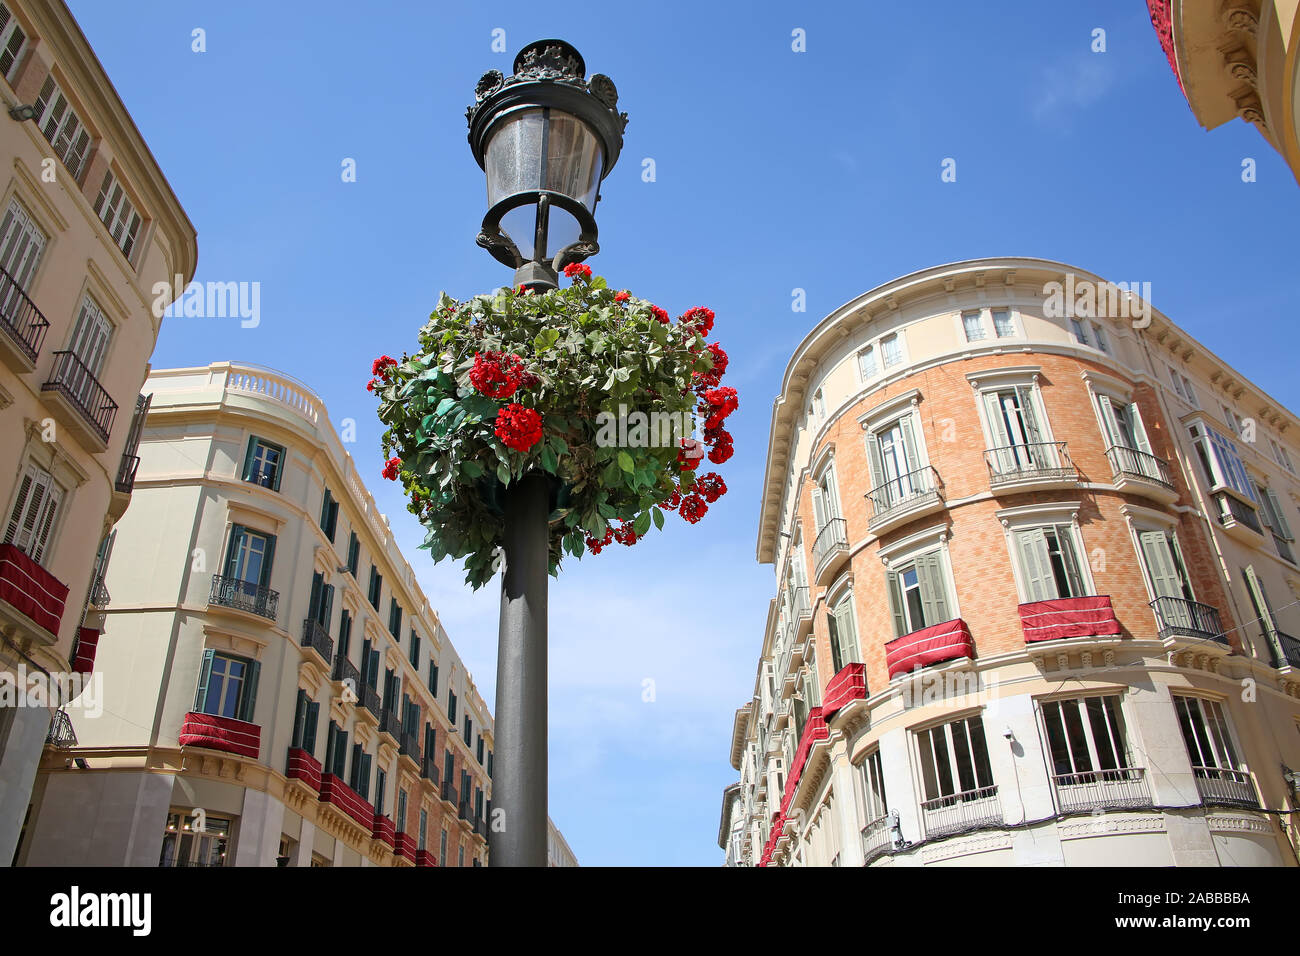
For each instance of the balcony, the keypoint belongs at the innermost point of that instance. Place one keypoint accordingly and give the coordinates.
(384, 830)
(22, 326)
(429, 769)
(404, 846)
(243, 596)
(801, 612)
(368, 698)
(1035, 466)
(1178, 617)
(935, 644)
(83, 654)
(300, 765)
(390, 724)
(238, 737)
(318, 639)
(1290, 648)
(80, 402)
(409, 746)
(99, 596)
(126, 470)
(1123, 788)
(61, 733)
(334, 791)
(1237, 517)
(904, 499)
(830, 548)
(1219, 785)
(30, 595)
(1140, 473)
(448, 793)
(876, 838)
(345, 672)
(844, 688)
(963, 811)
(1065, 618)
(480, 828)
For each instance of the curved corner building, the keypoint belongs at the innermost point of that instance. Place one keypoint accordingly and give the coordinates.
(1035, 573)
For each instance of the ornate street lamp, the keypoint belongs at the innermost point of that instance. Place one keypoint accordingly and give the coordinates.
(546, 137)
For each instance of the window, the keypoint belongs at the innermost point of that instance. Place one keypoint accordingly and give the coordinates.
(894, 454)
(354, 553)
(918, 595)
(1189, 393)
(359, 781)
(61, 125)
(826, 499)
(1163, 561)
(1123, 424)
(1049, 564)
(844, 633)
(433, 678)
(248, 559)
(973, 326)
(460, 859)
(306, 717)
(227, 686)
(329, 515)
(1219, 460)
(415, 649)
(451, 706)
(442, 847)
(320, 607)
(263, 463)
(89, 343)
(336, 750)
(1263, 609)
(32, 519)
(1099, 335)
(1079, 331)
(955, 770)
(21, 244)
(1271, 509)
(118, 214)
(183, 845)
(1003, 324)
(867, 363)
(489, 764)
(874, 805)
(376, 586)
(818, 406)
(12, 39)
(381, 787)
(424, 829)
(1280, 455)
(448, 766)
(1220, 773)
(1018, 440)
(468, 730)
(1233, 421)
(395, 619)
(345, 634)
(892, 350)
(1085, 735)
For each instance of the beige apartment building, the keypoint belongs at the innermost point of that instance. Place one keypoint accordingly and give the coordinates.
(276, 687)
(1036, 589)
(88, 225)
(558, 852)
(1238, 58)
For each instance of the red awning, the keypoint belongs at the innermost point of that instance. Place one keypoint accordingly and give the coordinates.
(1063, 618)
(930, 645)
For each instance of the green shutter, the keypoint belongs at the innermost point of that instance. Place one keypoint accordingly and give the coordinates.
(205, 675)
(819, 509)
(1025, 395)
(833, 626)
(934, 594)
(232, 548)
(1283, 527)
(1165, 579)
(248, 458)
(327, 606)
(1065, 537)
(340, 751)
(268, 561)
(248, 700)
(873, 455)
(997, 424)
(309, 727)
(848, 633)
(1035, 565)
(1109, 422)
(896, 603)
(909, 443)
(313, 605)
(299, 718)
(831, 495)
(1139, 430)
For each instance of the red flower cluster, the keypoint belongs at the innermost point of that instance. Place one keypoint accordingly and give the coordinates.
(622, 296)
(518, 427)
(498, 374)
(711, 486)
(379, 369)
(597, 545)
(626, 534)
(391, 468)
(693, 508)
(718, 404)
(701, 318)
(691, 455)
(574, 270)
(659, 314)
(673, 501)
(720, 440)
(710, 379)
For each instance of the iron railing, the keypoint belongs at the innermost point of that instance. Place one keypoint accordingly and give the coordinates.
(1139, 464)
(345, 670)
(1032, 460)
(1118, 789)
(962, 811)
(390, 724)
(1232, 509)
(834, 535)
(99, 596)
(1290, 649)
(19, 317)
(368, 697)
(126, 470)
(902, 492)
(448, 792)
(876, 838)
(409, 743)
(1188, 618)
(429, 769)
(61, 733)
(1221, 785)
(800, 607)
(318, 639)
(73, 380)
(244, 596)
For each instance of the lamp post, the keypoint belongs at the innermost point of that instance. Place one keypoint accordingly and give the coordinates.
(545, 137)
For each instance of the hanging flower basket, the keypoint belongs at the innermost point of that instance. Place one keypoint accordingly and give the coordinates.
(598, 389)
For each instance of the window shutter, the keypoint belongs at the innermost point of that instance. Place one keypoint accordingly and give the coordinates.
(12, 531)
(1025, 395)
(205, 675)
(1279, 518)
(1109, 422)
(45, 525)
(248, 458)
(910, 448)
(896, 603)
(1034, 563)
(1139, 430)
(1065, 537)
(834, 628)
(248, 701)
(873, 454)
(330, 739)
(997, 424)
(819, 509)
(1165, 579)
(309, 728)
(830, 494)
(313, 606)
(299, 718)
(267, 561)
(340, 751)
(848, 633)
(354, 776)
(345, 633)
(934, 595)
(327, 605)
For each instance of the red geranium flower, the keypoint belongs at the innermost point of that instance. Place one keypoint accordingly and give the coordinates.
(701, 318)
(622, 296)
(711, 486)
(659, 314)
(518, 427)
(720, 452)
(497, 374)
(718, 404)
(378, 366)
(691, 455)
(576, 270)
(710, 379)
(693, 508)
(391, 467)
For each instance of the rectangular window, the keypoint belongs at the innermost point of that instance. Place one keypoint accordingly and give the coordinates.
(1220, 463)
(1189, 393)
(1003, 324)
(973, 326)
(263, 463)
(1099, 335)
(415, 650)
(1221, 774)
(320, 605)
(31, 521)
(892, 350)
(1018, 440)
(395, 619)
(1280, 455)
(381, 787)
(451, 707)
(306, 717)
(867, 363)
(895, 459)
(376, 586)
(955, 771)
(468, 730)
(1164, 565)
(12, 40)
(442, 848)
(354, 553)
(1085, 735)
(336, 750)
(1049, 564)
(479, 750)
(818, 407)
(345, 634)
(918, 594)
(227, 686)
(60, 124)
(1079, 331)
(22, 242)
(433, 679)
(1271, 510)
(249, 556)
(118, 214)
(185, 845)
(424, 829)
(329, 515)
(89, 343)
(401, 811)
(844, 634)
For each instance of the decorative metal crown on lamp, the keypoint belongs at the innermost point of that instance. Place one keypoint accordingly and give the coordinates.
(546, 137)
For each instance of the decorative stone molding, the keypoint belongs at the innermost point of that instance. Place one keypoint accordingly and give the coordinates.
(1238, 823)
(981, 843)
(1104, 824)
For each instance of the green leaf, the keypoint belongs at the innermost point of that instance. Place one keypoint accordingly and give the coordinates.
(642, 523)
(625, 461)
(444, 406)
(658, 518)
(471, 469)
(598, 282)
(545, 339)
(503, 473)
(548, 460)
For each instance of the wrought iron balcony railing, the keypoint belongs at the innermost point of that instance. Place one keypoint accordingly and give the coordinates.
(1233, 510)
(1132, 463)
(126, 470)
(73, 380)
(1029, 461)
(244, 596)
(1290, 649)
(799, 606)
(448, 792)
(834, 536)
(409, 744)
(99, 596)
(1221, 785)
(901, 493)
(962, 811)
(318, 639)
(876, 838)
(368, 697)
(1116, 789)
(1179, 616)
(20, 319)
(390, 724)
(429, 769)
(345, 670)
(61, 733)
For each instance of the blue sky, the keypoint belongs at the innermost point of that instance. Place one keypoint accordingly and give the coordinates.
(775, 170)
